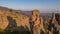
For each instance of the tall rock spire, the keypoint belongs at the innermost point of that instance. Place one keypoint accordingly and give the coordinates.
(53, 16)
(35, 16)
(36, 20)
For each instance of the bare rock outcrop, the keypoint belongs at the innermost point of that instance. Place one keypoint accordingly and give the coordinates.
(38, 22)
(21, 20)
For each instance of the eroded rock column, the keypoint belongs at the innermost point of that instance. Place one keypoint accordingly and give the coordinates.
(35, 19)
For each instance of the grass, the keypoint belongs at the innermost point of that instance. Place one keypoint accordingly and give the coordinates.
(13, 32)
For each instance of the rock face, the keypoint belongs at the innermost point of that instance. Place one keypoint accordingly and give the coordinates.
(51, 27)
(35, 16)
(58, 22)
(55, 28)
(35, 19)
(38, 22)
(6, 17)
(3, 20)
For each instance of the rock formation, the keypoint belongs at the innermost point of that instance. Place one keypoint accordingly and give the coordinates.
(35, 19)
(38, 22)
(10, 19)
(54, 26)
(21, 20)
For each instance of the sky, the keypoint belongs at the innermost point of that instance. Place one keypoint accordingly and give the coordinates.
(42, 5)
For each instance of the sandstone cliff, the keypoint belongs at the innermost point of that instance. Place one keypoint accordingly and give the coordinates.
(21, 20)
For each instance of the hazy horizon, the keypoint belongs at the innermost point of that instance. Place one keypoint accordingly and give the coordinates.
(42, 5)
